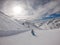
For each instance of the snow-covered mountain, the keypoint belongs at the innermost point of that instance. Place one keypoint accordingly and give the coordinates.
(9, 26)
(51, 24)
(7, 23)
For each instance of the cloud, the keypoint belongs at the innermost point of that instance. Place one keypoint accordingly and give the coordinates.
(47, 9)
(34, 9)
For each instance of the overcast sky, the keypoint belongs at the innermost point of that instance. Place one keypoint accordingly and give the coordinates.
(32, 9)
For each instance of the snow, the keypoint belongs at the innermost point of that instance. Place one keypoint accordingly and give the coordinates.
(9, 24)
(11, 27)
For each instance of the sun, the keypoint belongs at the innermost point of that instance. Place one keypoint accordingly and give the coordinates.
(17, 10)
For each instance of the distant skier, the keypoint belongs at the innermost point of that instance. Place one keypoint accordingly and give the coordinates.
(33, 33)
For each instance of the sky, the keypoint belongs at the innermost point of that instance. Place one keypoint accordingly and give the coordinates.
(31, 9)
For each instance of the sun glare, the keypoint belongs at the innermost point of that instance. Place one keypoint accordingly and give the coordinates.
(17, 10)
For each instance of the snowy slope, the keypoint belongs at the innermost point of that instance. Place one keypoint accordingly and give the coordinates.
(6, 23)
(9, 26)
